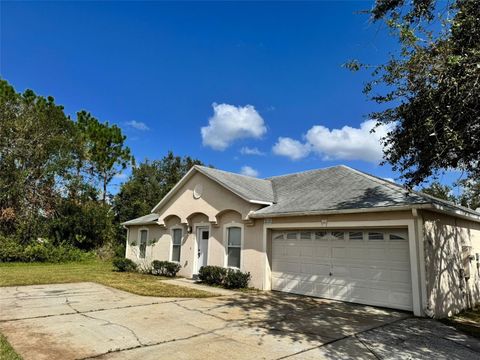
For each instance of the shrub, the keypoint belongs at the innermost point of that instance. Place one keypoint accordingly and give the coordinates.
(212, 275)
(40, 251)
(236, 279)
(123, 265)
(165, 268)
(10, 250)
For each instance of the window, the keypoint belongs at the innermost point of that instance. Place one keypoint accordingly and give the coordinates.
(278, 237)
(355, 235)
(338, 235)
(321, 235)
(292, 236)
(305, 235)
(143, 243)
(375, 236)
(398, 236)
(234, 246)
(176, 244)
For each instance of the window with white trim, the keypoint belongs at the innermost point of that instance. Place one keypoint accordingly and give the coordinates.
(234, 246)
(143, 243)
(176, 244)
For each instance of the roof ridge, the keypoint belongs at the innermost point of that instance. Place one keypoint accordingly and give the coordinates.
(231, 172)
(419, 193)
(303, 172)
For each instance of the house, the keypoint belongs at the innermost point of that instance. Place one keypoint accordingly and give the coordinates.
(336, 233)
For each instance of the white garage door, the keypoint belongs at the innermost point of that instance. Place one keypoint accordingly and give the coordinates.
(363, 266)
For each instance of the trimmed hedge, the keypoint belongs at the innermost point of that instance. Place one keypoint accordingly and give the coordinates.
(212, 275)
(165, 268)
(124, 265)
(236, 279)
(40, 251)
(228, 278)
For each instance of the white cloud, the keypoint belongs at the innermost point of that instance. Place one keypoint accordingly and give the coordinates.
(230, 123)
(347, 143)
(251, 151)
(138, 125)
(389, 179)
(291, 148)
(249, 171)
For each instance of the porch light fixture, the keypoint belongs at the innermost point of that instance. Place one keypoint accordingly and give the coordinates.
(189, 229)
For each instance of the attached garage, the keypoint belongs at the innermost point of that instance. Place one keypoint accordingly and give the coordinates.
(367, 266)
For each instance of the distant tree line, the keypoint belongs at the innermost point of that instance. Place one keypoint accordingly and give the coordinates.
(55, 173)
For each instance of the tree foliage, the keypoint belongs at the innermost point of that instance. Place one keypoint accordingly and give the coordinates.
(103, 151)
(429, 90)
(46, 162)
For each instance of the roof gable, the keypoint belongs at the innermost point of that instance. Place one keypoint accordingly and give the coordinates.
(253, 190)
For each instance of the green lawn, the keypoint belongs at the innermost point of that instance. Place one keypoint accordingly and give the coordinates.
(15, 274)
(6, 351)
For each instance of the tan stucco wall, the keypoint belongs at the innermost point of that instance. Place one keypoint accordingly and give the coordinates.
(214, 199)
(448, 292)
(216, 208)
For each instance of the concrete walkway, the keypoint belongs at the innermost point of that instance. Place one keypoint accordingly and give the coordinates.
(91, 321)
(195, 285)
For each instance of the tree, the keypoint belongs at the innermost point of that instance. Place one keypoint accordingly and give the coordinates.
(35, 148)
(440, 191)
(429, 90)
(102, 151)
(149, 183)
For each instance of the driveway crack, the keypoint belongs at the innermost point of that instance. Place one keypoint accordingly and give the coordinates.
(107, 322)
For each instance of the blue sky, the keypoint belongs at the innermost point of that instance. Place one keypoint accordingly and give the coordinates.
(264, 80)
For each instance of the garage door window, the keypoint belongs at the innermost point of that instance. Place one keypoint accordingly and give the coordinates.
(234, 235)
(292, 236)
(321, 235)
(355, 235)
(376, 236)
(398, 236)
(338, 235)
(305, 235)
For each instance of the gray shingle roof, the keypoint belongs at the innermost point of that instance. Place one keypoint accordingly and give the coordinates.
(334, 188)
(247, 187)
(331, 189)
(341, 188)
(142, 220)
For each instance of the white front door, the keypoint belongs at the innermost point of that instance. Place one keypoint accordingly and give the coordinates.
(202, 245)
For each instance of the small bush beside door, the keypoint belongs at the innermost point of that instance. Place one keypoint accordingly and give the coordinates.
(228, 278)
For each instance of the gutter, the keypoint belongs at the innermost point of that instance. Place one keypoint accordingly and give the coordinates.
(427, 206)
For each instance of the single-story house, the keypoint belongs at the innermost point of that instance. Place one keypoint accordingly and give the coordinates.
(336, 233)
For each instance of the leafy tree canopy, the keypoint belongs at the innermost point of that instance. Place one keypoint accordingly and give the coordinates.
(430, 90)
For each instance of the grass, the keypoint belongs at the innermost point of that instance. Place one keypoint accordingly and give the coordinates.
(16, 274)
(6, 350)
(467, 321)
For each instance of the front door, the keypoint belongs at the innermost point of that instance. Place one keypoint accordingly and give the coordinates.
(202, 246)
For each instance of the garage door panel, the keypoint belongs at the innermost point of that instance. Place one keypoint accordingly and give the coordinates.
(320, 269)
(375, 272)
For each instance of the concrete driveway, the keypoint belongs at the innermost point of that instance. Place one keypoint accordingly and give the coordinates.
(87, 320)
